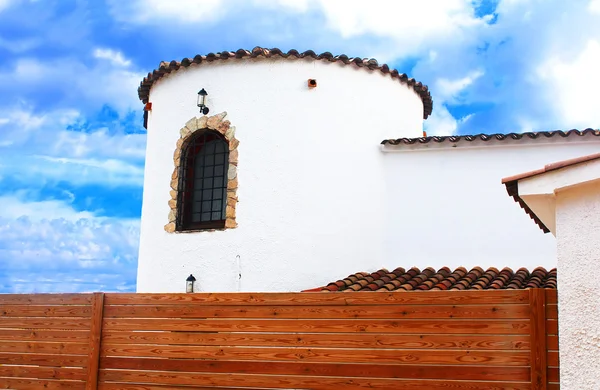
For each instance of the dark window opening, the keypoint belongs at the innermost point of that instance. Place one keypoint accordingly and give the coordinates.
(203, 182)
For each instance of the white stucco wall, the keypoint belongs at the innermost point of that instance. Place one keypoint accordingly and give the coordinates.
(311, 198)
(446, 206)
(578, 243)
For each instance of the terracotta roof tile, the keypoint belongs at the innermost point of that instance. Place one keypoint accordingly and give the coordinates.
(454, 139)
(368, 64)
(445, 279)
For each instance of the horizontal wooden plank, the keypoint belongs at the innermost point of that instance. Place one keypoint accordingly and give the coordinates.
(553, 374)
(552, 342)
(552, 312)
(128, 386)
(42, 372)
(44, 335)
(37, 384)
(337, 355)
(44, 347)
(330, 312)
(324, 326)
(553, 386)
(552, 358)
(44, 311)
(298, 299)
(44, 323)
(45, 299)
(383, 341)
(551, 296)
(287, 381)
(45, 360)
(552, 327)
(322, 369)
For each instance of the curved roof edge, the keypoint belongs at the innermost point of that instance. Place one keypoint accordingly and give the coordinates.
(453, 139)
(369, 64)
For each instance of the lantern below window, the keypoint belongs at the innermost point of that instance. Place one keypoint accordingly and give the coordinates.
(189, 284)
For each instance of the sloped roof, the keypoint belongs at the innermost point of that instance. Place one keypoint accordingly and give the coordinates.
(365, 63)
(444, 279)
(512, 183)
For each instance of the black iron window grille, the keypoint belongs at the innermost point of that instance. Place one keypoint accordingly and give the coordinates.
(202, 197)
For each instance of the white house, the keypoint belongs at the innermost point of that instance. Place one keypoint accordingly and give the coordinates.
(565, 198)
(310, 167)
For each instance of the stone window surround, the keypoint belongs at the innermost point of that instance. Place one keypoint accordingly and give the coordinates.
(217, 123)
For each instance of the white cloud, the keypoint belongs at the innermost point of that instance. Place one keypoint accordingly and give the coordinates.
(114, 56)
(5, 4)
(576, 83)
(77, 84)
(442, 122)
(54, 153)
(60, 255)
(108, 172)
(447, 89)
(399, 19)
(15, 206)
(47, 246)
(594, 6)
(153, 10)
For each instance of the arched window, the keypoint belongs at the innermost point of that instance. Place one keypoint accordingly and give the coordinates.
(202, 199)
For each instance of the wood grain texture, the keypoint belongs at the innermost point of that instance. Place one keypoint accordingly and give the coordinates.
(44, 347)
(354, 340)
(44, 323)
(321, 312)
(321, 369)
(375, 356)
(552, 359)
(43, 359)
(552, 327)
(75, 336)
(46, 299)
(411, 340)
(551, 297)
(37, 384)
(300, 299)
(43, 372)
(44, 311)
(323, 326)
(552, 342)
(95, 341)
(290, 381)
(539, 351)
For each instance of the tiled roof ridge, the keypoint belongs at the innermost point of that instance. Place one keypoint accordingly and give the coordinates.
(489, 137)
(444, 278)
(368, 63)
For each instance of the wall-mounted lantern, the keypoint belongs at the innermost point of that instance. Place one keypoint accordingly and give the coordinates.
(202, 101)
(189, 284)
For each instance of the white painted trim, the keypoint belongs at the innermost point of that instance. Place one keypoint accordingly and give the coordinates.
(539, 192)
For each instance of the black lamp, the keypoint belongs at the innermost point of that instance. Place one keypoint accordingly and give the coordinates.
(189, 284)
(202, 101)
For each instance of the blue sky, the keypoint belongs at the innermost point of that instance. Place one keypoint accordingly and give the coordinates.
(71, 137)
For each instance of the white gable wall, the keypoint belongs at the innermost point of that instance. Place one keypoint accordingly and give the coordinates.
(572, 193)
(447, 206)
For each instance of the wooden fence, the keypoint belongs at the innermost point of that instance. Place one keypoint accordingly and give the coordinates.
(409, 340)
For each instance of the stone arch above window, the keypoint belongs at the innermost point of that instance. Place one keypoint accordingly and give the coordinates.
(205, 158)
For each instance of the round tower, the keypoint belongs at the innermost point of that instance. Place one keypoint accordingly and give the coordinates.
(281, 181)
